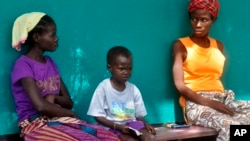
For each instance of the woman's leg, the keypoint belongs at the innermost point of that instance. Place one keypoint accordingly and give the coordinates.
(207, 117)
(241, 107)
(102, 133)
(58, 132)
(65, 129)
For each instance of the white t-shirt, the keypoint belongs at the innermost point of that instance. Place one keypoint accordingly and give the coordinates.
(116, 106)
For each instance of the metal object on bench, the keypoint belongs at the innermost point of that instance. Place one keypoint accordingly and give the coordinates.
(193, 133)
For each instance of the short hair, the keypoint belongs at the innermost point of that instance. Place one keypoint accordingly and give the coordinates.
(39, 28)
(117, 51)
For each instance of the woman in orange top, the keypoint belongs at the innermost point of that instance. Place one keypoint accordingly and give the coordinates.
(197, 68)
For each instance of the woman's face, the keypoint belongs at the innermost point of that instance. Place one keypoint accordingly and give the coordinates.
(48, 40)
(201, 21)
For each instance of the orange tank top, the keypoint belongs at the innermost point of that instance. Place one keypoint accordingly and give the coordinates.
(203, 67)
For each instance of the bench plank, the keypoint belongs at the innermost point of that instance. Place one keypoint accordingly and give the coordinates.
(164, 134)
(11, 137)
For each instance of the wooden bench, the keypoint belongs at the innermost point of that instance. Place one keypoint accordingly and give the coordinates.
(193, 133)
(11, 137)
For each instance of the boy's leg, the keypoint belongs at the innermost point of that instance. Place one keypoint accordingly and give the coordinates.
(126, 137)
(146, 136)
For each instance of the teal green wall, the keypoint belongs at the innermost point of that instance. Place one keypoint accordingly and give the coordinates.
(88, 28)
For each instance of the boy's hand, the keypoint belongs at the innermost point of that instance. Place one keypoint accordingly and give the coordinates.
(150, 129)
(123, 128)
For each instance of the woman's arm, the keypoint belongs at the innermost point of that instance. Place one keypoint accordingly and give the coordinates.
(179, 54)
(43, 106)
(64, 98)
(220, 46)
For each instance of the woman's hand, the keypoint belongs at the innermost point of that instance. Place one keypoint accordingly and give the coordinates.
(50, 98)
(221, 107)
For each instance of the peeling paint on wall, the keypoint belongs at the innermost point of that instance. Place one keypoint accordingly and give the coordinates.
(229, 28)
(79, 80)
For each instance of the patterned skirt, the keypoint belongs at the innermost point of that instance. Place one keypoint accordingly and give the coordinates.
(205, 116)
(63, 129)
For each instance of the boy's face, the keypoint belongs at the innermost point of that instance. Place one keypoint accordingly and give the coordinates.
(121, 68)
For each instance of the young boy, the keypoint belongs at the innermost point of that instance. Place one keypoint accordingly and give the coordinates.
(117, 104)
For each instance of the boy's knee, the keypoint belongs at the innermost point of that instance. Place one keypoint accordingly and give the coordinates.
(149, 137)
(124, 137)
(146, 136)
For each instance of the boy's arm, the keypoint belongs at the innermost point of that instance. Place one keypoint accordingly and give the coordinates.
(120, 127)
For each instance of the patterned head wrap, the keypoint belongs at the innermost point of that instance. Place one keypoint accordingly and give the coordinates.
(22, 26)
(211, 5)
